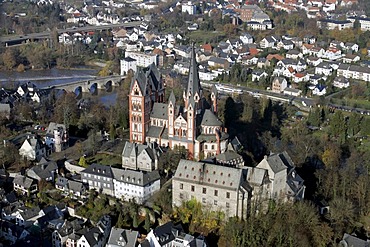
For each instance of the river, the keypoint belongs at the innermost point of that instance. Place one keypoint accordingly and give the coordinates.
(52, 77)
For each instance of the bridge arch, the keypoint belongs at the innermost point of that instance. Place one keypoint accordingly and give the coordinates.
(108, 86)
(78, 91)
(93, 88)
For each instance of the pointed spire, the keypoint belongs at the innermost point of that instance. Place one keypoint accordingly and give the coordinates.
(193, 81)
(172, 98)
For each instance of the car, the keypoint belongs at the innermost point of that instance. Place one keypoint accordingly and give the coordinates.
(37, 127)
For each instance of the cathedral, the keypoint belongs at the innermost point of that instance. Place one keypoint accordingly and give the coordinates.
(193, 124)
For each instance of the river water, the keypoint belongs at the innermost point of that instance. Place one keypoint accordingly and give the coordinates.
(52, 77)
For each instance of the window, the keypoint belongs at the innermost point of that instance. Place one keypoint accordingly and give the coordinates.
(181, 196)
(215, 202)
(204, 190)
(227, 205)
(181, 186)
(203, 200)
(227, 194)
(192, 188)
(216, 192)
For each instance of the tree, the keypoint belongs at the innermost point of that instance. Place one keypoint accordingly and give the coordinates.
(82, 162)
(66, 109)
(147, 221)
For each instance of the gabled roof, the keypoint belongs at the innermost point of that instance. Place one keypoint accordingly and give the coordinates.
(127, 237)
(23, 181)
(193, 81)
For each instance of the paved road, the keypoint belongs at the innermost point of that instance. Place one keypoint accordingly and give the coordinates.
(46, 34)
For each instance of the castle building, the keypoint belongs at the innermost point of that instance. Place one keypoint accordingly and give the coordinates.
(192, 124)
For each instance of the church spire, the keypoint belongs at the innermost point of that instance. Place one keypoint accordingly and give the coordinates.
(193, 81)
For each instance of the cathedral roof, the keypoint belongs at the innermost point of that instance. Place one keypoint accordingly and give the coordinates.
(160, 111)
(210, 119)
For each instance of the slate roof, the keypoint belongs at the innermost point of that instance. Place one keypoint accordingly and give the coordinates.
(139, 178)
(23, 181)
(160, 110)
(93, 236)
(228, 156)
(43, 171)
(210, 119)
(200, 172)
(129, 237)
(255, 175)
(154, 132)
(30, 213)
(167, 232)
(100, 170)
(353, 241)
(134, 149)
(279, 162)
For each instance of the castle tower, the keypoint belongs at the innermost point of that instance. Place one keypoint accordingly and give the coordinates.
(58, 140)
(171, 114)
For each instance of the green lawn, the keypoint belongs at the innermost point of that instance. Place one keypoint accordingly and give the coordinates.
(105, 159)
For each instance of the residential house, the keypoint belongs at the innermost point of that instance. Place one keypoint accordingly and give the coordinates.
(279, 84)
(218, 62)
(332, 53)
(74, 188)
(168, 235)
(318, 90)
(354, 71)
(69, 227)
(92, 238)
(246, 38)
(121, 237)
(99, 177)
(314, 61)
(350, 58)
(294, 54)
(5, 110)
(32, 148)
(135, 185)
(309, 39)
(258, 74)
(341, 82)
(262, 62)
(11, 232)
(207, 48)
(142, 59)
(324, 68)
(27, 216)
(44, 170)
(268, 42)
(25, 185)
(300, 77)
(285, 44)
(127, 64)
(332, 24)
(292, 91)
(351, 47)
(142, 157)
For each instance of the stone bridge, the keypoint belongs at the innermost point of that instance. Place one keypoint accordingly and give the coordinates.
(92, 85)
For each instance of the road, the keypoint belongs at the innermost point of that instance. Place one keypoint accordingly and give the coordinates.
(46, 34)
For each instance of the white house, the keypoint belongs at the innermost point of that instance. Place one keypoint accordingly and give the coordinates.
(135, 185)
(32, 149)
(341, 82)
(127, 64)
